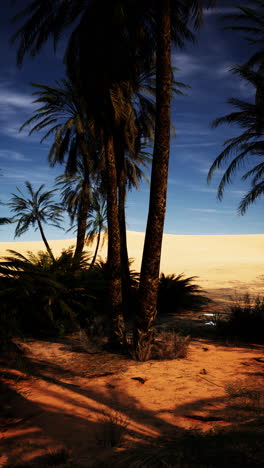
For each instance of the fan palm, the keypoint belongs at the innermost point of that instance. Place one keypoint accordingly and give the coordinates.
(35, 210)
(250, 117)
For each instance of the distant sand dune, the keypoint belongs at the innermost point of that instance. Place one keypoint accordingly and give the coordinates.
(224, 264)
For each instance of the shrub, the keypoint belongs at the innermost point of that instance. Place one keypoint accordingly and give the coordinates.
(170, 345)
(48, 297)
(176, 294)
(245, 319)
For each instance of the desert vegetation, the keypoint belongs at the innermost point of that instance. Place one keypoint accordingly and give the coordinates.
(112, 106)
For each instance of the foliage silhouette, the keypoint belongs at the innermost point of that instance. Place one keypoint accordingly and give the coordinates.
(250, 118)
(39, 208)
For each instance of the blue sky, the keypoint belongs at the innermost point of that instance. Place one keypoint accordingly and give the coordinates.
(192, 205)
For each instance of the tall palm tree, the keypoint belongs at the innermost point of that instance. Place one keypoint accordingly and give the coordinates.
(127, 35)
(35, 210)
(171, 20)
(249, 117)
(99, 79)
(61, 114)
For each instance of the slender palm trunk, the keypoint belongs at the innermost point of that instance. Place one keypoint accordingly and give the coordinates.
(125, 273)
(118, 335)
(45, 241)
(149, 276)
(96, 248)
(83, 213)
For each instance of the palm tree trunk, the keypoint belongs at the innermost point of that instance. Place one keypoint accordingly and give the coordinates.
(118, 335)
(45, 241)
(83, 213)
(96, 248)
(149, 276)
(125, 272)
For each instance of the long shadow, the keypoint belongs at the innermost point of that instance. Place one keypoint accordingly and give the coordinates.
(39, 424)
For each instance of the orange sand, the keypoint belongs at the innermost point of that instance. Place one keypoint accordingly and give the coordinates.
(62, 404)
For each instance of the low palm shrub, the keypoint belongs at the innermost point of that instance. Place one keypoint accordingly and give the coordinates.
(47, 297)
(177, 294)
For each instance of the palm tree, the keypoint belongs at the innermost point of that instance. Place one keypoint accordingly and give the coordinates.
(96, 217)
(99, 81)
(250, 117)
(39, 208)
(97, 221)
(127, 36)
(62, 114)
(171, 24)
(250, 20)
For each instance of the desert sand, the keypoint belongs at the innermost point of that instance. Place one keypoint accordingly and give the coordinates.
(224, 264)
(65, 402)
(65, 392)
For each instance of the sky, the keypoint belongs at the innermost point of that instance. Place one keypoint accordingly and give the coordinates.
(192, 204)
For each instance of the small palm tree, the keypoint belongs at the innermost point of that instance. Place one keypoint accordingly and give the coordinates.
(39, 208)
(62, 115)
(250, 117)
(97, 221)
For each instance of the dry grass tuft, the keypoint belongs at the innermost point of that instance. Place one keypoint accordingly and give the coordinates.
(112, 429)
(170, 345)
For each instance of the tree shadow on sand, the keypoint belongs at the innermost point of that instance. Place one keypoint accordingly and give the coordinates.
(70, 417)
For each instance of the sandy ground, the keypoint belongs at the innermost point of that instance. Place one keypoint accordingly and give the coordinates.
(65, 401)
(224, 265)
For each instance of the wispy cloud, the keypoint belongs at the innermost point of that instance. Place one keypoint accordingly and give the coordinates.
(194, 145)
(13, 156)
(219, 11)
(205, 170)
(187, 64)
(211, 210)
(14, 99)
(224, 69)
(41, 175)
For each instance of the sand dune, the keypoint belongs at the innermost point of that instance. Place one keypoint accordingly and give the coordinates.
(223, 263)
